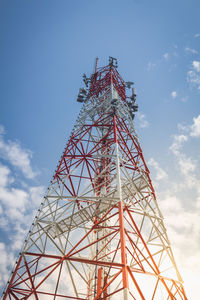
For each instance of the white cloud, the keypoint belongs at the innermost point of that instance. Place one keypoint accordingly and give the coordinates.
(6, 262)
(197, 35)
(196, 65)
(160, 173)
(184, 99)
(17, 210)
(9, 196)
(186, 164)
(182, 223)
(180, 203)
(190, 50)
(2, 129)
(163, 58)
(143, 123)
(166, 56)
(193, 75)
(4, 176)
(194, 79)
(150, 65)
(174, 94)
(36, 193)
(177, 143)
(16, 155)
(195, 127)
(182, 127)
(14, 198)
(18, 201)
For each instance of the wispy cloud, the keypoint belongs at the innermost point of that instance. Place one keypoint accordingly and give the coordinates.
(17, 209)
(143, 123)
(150, 65)
(186, 164)
(193, 75)
(6, 261)
(2, 129)
(195, 127)
(196, 65)
(178, 141)
(191, 50)
(179, 201)
(197, 35)
(182, 227)
(16, 155)
(194, 79)
(174, 94)
(160, 173)
(18, 201)
(166, 56)
(180, 204)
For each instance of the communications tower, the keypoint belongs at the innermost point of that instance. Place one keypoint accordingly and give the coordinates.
(99, 233)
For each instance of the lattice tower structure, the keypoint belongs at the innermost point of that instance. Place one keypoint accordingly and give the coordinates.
(99, 233)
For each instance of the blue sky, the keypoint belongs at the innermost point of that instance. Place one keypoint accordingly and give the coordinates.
(45, 47)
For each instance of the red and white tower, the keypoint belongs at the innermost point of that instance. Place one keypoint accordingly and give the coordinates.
(99, 233)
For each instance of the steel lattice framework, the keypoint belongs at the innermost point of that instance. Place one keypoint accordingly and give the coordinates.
(99, 233)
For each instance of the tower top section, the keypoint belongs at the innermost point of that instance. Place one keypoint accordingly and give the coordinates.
(103, 80)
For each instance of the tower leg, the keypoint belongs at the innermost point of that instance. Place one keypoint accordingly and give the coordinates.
(123, 252)
(126, 294)
(99, 281)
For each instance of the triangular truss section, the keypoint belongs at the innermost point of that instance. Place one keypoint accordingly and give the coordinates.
(99, 233)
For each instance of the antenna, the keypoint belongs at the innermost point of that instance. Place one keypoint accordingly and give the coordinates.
(112, 61)
(96, 63)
